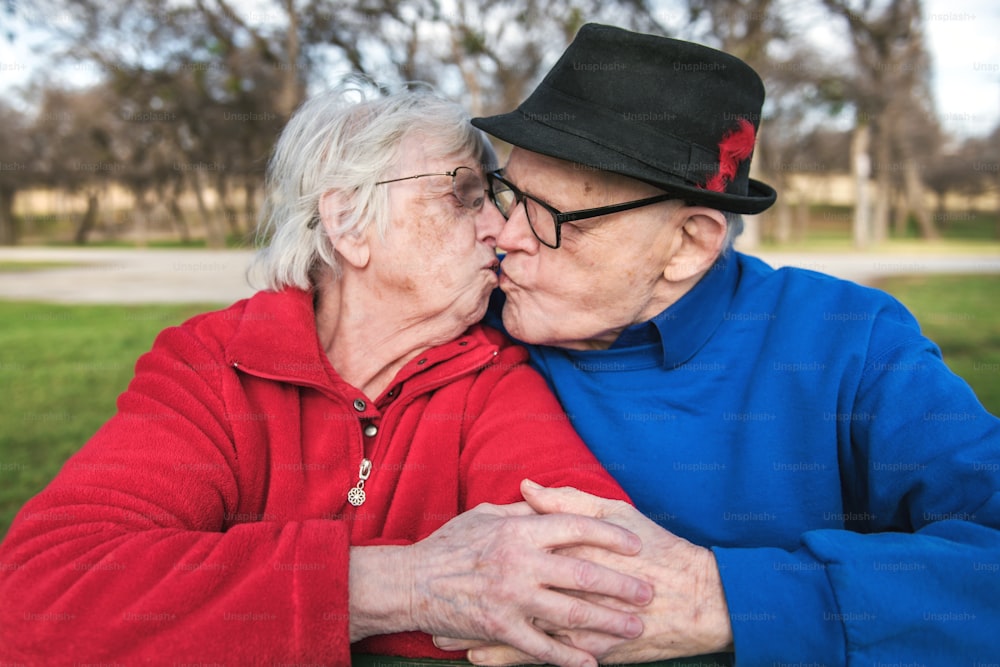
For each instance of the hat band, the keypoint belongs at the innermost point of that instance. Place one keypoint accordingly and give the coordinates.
(565, 113)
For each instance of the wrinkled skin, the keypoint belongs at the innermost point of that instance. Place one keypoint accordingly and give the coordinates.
(495, 573)
(688, 615)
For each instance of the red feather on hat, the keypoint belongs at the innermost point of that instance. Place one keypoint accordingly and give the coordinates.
(735, 147)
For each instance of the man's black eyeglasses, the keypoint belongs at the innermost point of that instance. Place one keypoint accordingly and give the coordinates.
(545, 220)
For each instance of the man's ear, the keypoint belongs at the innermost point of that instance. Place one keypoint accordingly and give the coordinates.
(353, 248)
(701, 235)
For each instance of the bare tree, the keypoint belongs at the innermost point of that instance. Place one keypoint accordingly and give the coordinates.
(977, 165)
(794, 139)
(887, 88)
(484, 53)
(208, 85)
(78, 144)
(16, 168)
(199, 90)
(198, 99)
(991, 167)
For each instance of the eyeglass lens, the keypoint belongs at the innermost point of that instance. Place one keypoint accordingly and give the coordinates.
(542, 224)
(469, 188)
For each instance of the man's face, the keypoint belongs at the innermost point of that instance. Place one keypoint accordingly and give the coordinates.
(608, 272)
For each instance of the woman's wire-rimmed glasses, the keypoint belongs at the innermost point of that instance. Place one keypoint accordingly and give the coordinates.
(545, 220)
(468, 186)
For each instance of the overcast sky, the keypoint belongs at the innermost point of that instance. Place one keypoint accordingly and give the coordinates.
(963, 38)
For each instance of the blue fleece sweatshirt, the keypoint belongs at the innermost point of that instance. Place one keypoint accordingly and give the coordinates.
(802, 428)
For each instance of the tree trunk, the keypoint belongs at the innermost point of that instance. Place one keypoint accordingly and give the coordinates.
(8, 225)
(750, 238)
(215, 237)
(996, 228)
(180, 222)
(228, 210)
(89, 220)
(250, 204)
(801, 232)
(141, 224)
(900, 215)
(783, 220)
(470, 72)
(940, 212)
(916, 201)
(177, 217)
(883, 193)
(290, 77)
(862, 167)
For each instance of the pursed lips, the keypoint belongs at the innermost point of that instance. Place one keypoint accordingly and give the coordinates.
(505, 280)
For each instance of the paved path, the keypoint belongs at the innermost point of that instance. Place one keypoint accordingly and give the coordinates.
(869, 267)
(204, 276)
(128, 276)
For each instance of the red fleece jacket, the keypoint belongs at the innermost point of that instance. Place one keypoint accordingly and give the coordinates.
(208, 520)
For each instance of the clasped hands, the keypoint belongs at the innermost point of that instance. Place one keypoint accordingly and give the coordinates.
(567, 578)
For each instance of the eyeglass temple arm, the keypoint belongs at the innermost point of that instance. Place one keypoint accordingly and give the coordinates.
(608, 210)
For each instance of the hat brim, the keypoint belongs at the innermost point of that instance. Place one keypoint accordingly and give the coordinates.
(518, 129)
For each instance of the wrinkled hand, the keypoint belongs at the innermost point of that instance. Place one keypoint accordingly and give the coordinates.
(492, 574)
(688, 615)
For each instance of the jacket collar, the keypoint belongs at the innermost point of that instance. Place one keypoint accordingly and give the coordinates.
(276, 338)
(684, 328)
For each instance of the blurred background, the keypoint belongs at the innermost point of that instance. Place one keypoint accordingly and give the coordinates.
(145, 125)
(149, 122)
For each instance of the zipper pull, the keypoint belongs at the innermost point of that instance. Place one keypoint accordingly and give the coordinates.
(356, 495)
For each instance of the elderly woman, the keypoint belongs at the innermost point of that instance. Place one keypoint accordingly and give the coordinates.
(280, 478)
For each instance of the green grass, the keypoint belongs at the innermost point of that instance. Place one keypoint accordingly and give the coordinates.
(14, 266)
(232, 241)
(61, 369)
(829, 230)
(960, 314)
(57, 230)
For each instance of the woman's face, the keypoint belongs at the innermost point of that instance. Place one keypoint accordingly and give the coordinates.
(438, 258)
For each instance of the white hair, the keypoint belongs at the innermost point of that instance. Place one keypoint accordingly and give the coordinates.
(734, 227)
(345, 141)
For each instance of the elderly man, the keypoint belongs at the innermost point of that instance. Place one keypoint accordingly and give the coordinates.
(824, 489)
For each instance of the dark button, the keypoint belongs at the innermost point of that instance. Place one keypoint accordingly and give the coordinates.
(421, 362)
(463, 342)
(371, 430)
(360, 405)
(392, 393)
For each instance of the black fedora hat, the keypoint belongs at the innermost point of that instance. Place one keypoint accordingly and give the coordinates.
(675, 114)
